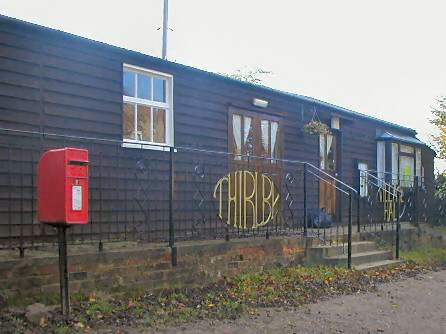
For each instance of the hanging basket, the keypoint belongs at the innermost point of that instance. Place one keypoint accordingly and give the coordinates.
(316, 127)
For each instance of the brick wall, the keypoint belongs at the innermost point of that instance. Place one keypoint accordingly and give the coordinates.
(132, 266)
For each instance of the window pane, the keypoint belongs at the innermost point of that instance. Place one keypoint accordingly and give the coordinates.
(144, 124)
(129, 121)
(144, 87)
(237, 133)
(248, 136)
(406, 171)
(418, 166)
(129, 83)
(159, 90)
(406, 149)
(322, 150)
(159, 126)
(274, 142)
(394, 177)
(331, 152)
(380, 161)
(363, 191)
(264, 129)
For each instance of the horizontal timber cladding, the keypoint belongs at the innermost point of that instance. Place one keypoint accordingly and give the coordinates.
(60, 84)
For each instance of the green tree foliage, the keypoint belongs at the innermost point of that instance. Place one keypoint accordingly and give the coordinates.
(440, 186)
(439, 120)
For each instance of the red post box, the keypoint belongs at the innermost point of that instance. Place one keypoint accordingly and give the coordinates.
(62, 186)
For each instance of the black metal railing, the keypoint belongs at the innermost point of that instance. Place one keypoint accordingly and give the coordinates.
(439, 218)
(175, 193)
(389, 199)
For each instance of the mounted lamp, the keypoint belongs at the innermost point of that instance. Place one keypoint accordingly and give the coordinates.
(260, 103)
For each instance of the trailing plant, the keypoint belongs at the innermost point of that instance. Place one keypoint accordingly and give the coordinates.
(315, 127)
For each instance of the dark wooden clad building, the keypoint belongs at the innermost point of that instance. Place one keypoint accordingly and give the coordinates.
(57, 89)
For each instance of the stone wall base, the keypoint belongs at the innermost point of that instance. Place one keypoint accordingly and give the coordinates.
(131, 266)
(135, 267)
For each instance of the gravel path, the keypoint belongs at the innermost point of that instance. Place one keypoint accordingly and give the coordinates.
(414, 305)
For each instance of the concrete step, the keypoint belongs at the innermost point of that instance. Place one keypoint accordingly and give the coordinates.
(368, 231)
(359, 258)
(342, 248)
(377, 264)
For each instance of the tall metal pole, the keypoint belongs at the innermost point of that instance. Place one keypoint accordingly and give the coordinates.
(349, 251)
(398, 226)
(416, 200)
(63, 272)
(165, 28)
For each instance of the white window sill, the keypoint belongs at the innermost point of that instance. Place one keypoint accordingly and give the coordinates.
(144, 146)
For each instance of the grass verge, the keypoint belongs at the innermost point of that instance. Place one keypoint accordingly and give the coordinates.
(426, 256)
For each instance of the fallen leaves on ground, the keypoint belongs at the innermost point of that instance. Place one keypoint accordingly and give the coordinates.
(226, 299)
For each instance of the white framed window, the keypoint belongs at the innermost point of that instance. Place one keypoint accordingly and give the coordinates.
(406, 171)
(255, 135)
(327, 152)
(418, 166)
(147, 108)
(363, 179)
(395, 157)
(381, 162)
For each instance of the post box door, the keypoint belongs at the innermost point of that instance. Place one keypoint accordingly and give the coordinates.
(77, 200)
(76, 187)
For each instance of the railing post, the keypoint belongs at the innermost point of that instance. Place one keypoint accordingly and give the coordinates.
(416, 200)
(358, 222)
(305, 199)
(349, 254)
(171, 199)
(397, 237)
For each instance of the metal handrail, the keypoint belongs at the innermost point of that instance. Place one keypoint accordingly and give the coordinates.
(383, 182)
(348, 194)
(136, 144)
(333, 185)
(167, 147)
(412, 179)
(333, 178)
(191, 149)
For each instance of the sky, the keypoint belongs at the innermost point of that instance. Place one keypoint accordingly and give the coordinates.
(383, 58)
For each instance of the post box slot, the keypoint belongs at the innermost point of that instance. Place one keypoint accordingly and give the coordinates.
(78, 163)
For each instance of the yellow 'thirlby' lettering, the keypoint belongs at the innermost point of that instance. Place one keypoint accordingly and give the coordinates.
(249, 179)
(388, 196)
(249, 197)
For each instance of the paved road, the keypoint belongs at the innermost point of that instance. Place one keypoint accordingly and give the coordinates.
(414, 305)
